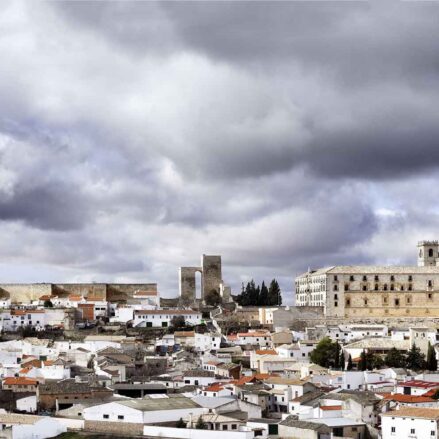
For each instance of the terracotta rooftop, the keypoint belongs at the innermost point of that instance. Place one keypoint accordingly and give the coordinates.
(418, 383)
(414, 412)
(266, 352)
(407, 398)
(330, 407)
(13, 381)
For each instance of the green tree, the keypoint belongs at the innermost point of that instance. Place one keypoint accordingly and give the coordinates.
(200, 425)
(349, 365)
(48, 304)
(376, 361)
(337, 361)
(431, 363)
(324, 353)
(395, 358)
(415, 359)
(263, 295)
(274, 294)
(178, 322)
(362, 364)
(181, 423)
(212, 298)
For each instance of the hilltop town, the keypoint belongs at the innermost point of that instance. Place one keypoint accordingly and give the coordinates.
(356, 357)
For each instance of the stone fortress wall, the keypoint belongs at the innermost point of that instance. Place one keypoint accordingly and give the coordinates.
(106, 291)
(211, 279)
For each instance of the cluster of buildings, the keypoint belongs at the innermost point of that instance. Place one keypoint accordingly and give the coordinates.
(118, 359)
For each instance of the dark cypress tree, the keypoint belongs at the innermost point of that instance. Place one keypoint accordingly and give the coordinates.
(263, 295)
(342, 361)
(362, 365)
(337, 359)
(415, 359)
(274, 294)
(431, 358)
(349, 365)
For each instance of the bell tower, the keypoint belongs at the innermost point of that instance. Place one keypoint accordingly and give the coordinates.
(428, 253)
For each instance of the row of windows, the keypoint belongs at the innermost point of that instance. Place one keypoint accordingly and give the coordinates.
(385, 301)
(376, 278)
(385, 287)
(413, 431)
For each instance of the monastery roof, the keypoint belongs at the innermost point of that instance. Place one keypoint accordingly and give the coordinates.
(373, 269)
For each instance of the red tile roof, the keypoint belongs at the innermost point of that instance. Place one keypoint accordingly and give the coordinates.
(214, 388)
(407, 398)
(13, 381)
(419, 383)
(330, 407)
(266, 352)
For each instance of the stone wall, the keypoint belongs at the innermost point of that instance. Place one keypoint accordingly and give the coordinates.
(187, 280)
(119, 428)
(212, 274)
(112, 292)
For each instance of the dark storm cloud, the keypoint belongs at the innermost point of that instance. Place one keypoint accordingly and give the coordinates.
(55, 207)
(135, 136)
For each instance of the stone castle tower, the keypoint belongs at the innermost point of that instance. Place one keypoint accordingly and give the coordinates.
(428, 253)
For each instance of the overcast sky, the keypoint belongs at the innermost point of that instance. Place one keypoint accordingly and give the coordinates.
(136, 136)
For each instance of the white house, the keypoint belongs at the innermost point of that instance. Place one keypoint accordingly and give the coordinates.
(162, 318)
(407, 422)
(148, 410)
(207, 342)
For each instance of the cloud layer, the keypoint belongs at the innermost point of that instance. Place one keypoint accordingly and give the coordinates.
(135, 136)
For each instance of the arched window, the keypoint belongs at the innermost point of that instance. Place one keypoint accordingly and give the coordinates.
(430, 252)
(385, 287)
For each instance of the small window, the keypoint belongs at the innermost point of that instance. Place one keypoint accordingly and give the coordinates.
(335, 296)
(430, 283)
(396, 302)
(430, 252)
(364, 288)
(364, 278)
(234, 427)
(225, 427)
(365, 301)
(346, 287)
(335, 278)
(430, 296)
(377, 278)
(393, 429)
(410, 278)
(351, 278)
(410, 287)
(376, 287)
(106, 416)
(385, 287)
(335, 304)
(348, 302)
(402, 288)
(392, 287)
(120, 417)
(412, 431)
(392, 278)
(335, 287)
